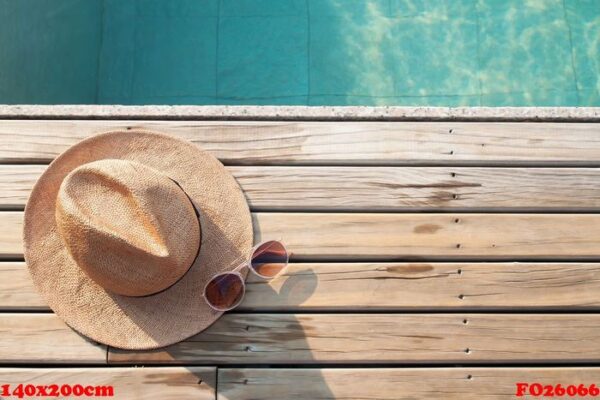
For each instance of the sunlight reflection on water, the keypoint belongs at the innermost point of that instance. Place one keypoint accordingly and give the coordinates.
(317, 52)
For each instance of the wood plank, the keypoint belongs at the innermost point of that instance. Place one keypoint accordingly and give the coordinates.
(384, 338)
(412, 188)
(426, 286)
(383, 188)
(331, 142)
(433, 236)
(122, 383)
(393, 383)
(343, 236)
(16, 288)
(16, 182)
(387, 286)
(11, 243)
(44, 338)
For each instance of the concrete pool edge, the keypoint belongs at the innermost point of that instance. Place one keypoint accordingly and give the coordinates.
(296, 113)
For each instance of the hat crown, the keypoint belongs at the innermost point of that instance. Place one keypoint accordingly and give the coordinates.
(131, 229)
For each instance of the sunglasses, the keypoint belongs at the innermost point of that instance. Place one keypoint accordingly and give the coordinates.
(225, 291)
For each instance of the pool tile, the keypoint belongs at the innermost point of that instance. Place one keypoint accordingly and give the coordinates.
(370, 54)
(49, 54)
(583, 17)
(349, 8)
(176, 8)
(263, 8)
(524, 48)
(175, 56)
(532, 97)
(348, 56)
(174, 100)
(350, 100)
(430, 8)
(115, 76)
(434, 61)
(268, 101)
(589, 98)
(362, 52)
(414, 101)
(441, 101)
(262, 57)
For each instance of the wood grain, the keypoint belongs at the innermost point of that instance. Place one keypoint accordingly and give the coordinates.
(411, 188)
(16, 182)
(433, 236)
(371, 143)
(44, 338)
(11, 243)
(383, 188)
(387, 286)
(384, 338)
(127, 383)
(392, 384)
(343, 236)
(398, 286)
(16, 288)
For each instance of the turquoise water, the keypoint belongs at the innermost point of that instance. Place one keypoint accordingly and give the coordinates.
(301, 52)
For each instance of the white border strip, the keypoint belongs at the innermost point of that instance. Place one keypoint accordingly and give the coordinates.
(301, 113)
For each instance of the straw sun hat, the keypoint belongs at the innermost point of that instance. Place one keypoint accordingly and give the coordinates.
(123, 231)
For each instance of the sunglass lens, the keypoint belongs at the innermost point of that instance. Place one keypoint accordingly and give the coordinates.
(269, 259)
(225, 291)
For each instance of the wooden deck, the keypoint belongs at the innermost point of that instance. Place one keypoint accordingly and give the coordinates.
(431, 260)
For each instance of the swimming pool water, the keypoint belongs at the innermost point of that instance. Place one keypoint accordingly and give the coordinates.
(301, 52)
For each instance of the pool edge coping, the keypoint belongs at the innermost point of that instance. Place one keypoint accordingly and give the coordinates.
(299, 113)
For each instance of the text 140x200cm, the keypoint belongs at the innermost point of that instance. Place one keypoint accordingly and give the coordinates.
(54, 390)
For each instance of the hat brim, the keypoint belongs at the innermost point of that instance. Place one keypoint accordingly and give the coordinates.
(164, 318)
